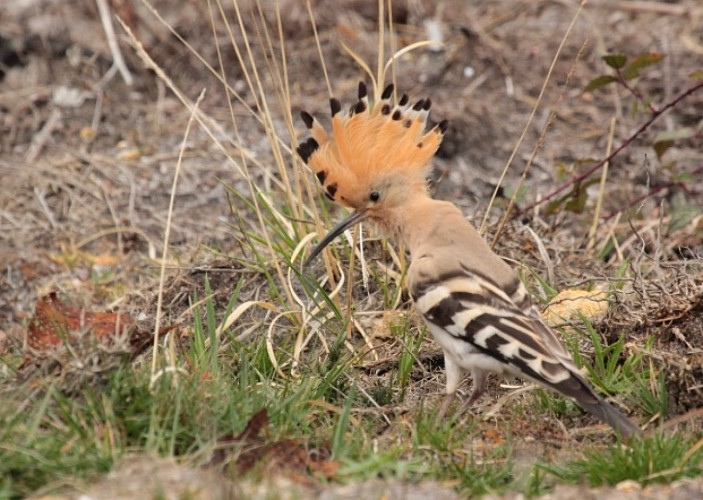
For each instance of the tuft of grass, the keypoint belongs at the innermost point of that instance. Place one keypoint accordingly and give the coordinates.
(630, 376)
(608, 371)
(536, 483)
(385, 463)
(650, 394)
(382, 393)
(655, 459)
(443, 436)
(411, 341)
(538, 287)
(339, 442)
(490, 475)
(554, 404)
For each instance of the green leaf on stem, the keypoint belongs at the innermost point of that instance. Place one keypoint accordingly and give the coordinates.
(575, 200)
(598, 82)
(615, 61)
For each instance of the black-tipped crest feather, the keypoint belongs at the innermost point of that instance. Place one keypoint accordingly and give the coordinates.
(307, 119)
(307, 148)
(335, 106)
(387, 92)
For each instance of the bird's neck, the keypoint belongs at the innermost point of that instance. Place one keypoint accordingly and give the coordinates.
(416, 221)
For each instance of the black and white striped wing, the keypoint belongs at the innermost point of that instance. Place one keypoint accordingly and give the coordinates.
(475, 310)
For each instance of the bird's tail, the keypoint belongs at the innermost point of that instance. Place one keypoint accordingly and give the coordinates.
(576, 387)
(611, 416)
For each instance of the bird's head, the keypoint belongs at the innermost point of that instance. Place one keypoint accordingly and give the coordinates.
(375, 159)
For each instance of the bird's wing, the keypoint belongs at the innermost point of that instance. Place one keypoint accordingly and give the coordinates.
(474, 308)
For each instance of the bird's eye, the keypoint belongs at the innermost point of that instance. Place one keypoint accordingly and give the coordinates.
(374, 196)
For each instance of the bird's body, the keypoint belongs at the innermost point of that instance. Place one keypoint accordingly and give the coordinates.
(473, 303)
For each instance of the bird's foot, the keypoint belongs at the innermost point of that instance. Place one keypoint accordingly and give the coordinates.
(469, 403)
(444, 407)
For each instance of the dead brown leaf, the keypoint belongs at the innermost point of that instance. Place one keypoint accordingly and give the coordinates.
(293, 457)
(55, 321)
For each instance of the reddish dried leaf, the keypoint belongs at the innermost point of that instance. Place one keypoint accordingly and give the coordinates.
(639, 62)
(256, 424)
(54, 320)
(28, 270)
(290, 457)
(139, 340)
(349, 32)
(249, 437)
(284, 454)
(125, 11)
(4, 342)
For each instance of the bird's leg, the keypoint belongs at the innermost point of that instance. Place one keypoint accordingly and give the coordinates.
(454, 374)
(446, 403)
(479, 387)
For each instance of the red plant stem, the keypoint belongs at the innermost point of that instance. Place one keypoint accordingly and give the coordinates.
(583, 175)
(634, 92)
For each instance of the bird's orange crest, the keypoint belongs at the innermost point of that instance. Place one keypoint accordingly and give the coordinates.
(370, 142)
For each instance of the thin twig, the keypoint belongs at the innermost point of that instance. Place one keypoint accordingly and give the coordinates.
(43, 136)
(636, 93)
(117, 59)
(644, 6)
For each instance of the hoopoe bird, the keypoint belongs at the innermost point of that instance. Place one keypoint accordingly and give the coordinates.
(375, 161)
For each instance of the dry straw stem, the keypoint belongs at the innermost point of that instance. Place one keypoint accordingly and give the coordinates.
(297, 313)
(318, 221)
(540, 142)
(218, 75)
(262, 105)
(350, 284)
(164, 255)
(264, 111)
(118, 230)
(319, 47)
(255, 91)
(601, 189)
(482, 228)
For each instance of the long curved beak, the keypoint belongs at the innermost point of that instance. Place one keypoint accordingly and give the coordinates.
(353, 219)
